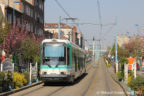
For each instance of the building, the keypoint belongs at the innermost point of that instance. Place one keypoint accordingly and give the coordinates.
(123, 39)
(67, 32)
(29, 13)
(48, 35)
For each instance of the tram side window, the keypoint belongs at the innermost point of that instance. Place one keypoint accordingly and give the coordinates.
(79, 63)
(75, 63)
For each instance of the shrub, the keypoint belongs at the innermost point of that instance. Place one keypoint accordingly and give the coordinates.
(118, 74)
(19, 80)
(2, 77)
(130, 78)
(137, 83)
(108, 65)
(9, 77)
(26, 75)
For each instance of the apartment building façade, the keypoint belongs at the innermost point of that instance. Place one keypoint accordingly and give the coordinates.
(28, 13)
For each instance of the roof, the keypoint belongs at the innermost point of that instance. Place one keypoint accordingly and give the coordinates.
(50, 40)
(55, 25)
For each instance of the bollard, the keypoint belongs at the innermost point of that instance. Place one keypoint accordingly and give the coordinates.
(9, 88)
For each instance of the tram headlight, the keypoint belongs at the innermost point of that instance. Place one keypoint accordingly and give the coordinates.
(44, 73)
(63, 73)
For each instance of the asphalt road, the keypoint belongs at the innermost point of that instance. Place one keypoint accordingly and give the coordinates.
(97, 82)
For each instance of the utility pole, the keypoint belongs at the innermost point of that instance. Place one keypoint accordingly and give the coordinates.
(59, 28)
(71, 34)
(93, 51)
(97, 52)
(137, 42)
(116, 56)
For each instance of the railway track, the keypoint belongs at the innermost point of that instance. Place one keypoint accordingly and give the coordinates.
(107, 82)
(56, 90)
(92, 77)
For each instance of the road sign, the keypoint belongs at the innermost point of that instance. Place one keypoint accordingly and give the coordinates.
(131, 62)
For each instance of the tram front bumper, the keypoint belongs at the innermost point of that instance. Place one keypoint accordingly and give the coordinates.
(55, 78)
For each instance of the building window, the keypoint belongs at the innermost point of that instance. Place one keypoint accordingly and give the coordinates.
(31, 27)
(28, 10)
(9, 18)
(31, 12)
(18, 21)
(22, 7)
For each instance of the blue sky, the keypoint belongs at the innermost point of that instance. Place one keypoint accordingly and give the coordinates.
(128, 12)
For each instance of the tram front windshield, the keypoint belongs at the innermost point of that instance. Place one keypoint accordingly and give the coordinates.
(54, 55)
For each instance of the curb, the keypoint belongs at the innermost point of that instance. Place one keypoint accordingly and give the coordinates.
(124, 88)
(21, 89)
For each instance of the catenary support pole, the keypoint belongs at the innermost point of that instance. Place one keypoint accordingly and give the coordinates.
(93, 51)
(116, 56)
(59, 28)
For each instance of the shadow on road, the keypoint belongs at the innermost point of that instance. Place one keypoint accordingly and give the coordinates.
(66, 83)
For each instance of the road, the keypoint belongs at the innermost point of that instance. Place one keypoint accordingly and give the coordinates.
(97, 82)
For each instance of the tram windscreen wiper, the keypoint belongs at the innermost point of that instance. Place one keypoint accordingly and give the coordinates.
(61, 61)
(57, 65)
(48, 64)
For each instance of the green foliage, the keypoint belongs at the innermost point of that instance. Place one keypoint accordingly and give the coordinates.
(4, 29)
(137, 83)
(26, 75)
(2, 75)
(30, 50)
(130, 78)
(5, 80)
(2, 78)
(122, 51)
(9, 77)
(118, 74)
(122, 62)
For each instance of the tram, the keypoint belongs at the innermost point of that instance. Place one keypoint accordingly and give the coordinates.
(61, 61)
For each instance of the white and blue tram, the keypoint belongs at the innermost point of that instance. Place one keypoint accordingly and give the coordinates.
(61, 61)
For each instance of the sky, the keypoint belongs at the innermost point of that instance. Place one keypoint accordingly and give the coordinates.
(127, 12)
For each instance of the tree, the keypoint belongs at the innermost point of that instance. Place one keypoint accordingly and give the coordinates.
(122, 62)
(30, 49)
(4, 29)
(14, 39)
(131, 47)
(122, 52)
